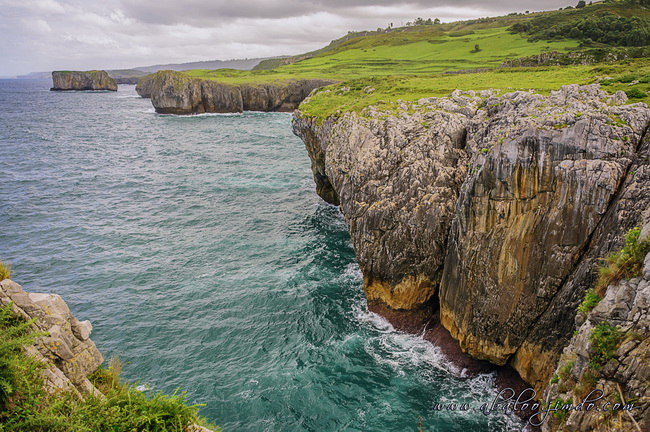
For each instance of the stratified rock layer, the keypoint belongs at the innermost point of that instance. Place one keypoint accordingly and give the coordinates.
(177, 93)
(78, 80)
(494, 207)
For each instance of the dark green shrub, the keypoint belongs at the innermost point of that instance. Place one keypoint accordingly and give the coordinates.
(604, 339)
(636, 93)
(591, 301)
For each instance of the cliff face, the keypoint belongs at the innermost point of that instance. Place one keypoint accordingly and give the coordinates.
(176, 93)
(623, 378)
(76, 80)
(68, 353)
(494, 207)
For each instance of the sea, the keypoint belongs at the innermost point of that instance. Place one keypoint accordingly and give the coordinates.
(200, 252)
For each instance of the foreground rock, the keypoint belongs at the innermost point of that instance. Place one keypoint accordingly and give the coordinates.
(492, 210)
(177, 93)
(68, 353)
(623, 379)
(77, 80)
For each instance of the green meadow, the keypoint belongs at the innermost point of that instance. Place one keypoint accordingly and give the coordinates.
(413, 62)
(354, 95)
(423, 52)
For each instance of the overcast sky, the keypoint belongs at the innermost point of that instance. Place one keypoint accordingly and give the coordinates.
(43, 35)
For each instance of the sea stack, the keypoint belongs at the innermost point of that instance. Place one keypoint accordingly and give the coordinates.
(82, 80)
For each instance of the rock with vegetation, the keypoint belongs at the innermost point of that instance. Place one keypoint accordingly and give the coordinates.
(609, 352)
(51, 378)
(491, 210)
(144, 85)
(79, 80)
(67, 351)
(178, 93)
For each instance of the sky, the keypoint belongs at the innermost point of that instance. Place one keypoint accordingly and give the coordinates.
(45, 35)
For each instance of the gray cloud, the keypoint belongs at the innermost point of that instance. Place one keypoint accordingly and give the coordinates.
(77, 34)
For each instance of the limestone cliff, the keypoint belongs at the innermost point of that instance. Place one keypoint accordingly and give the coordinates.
(623, 378)
(177, 93)
(78, 80)
(491, 209)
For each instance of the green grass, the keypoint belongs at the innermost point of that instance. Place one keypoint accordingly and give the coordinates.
(5, 271)
(424, 52)
(355, 95)
(25, 406)
(624, 264)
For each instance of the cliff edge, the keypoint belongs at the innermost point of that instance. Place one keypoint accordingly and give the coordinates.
(488, 211)
(77, 80)
(177, 93)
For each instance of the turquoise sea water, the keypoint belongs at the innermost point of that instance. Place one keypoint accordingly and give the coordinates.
(204, 259)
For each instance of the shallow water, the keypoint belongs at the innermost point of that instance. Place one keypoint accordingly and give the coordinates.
(204, 259)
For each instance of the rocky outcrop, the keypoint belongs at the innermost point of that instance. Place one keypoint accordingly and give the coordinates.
(144, 86)
(77, 80)
(491, 209)
(177, 93)
(68, 353)
(623, 379)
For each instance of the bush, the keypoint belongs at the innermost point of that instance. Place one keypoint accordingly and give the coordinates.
(624, 264)
(591, 301)
(604, 339)
(635, 93)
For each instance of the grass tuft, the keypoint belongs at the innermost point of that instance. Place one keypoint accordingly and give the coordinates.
(5, 271)
(624, 264)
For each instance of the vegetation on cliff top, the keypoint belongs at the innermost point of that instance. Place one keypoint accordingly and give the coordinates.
(26, 406)
(416, 61)
(357, 94)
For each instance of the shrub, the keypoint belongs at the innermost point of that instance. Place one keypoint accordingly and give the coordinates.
(591, 301)
(624, 264)
(635, 93)
(604, 339)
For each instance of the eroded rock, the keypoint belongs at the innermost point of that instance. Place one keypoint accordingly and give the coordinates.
(82, 80)
(498, 207)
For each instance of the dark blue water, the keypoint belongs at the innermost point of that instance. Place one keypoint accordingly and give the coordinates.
(202, 256)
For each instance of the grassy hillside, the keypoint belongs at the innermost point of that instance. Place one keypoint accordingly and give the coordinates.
(413, 62)
(357, 94)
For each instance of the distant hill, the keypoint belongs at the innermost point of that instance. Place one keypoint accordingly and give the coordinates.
(125, 74)
(242, 64)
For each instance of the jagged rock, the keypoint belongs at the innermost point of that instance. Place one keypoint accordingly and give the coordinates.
(78, 80)
(69, 355)
(626, 305)
(177, 93)
(499, 205)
